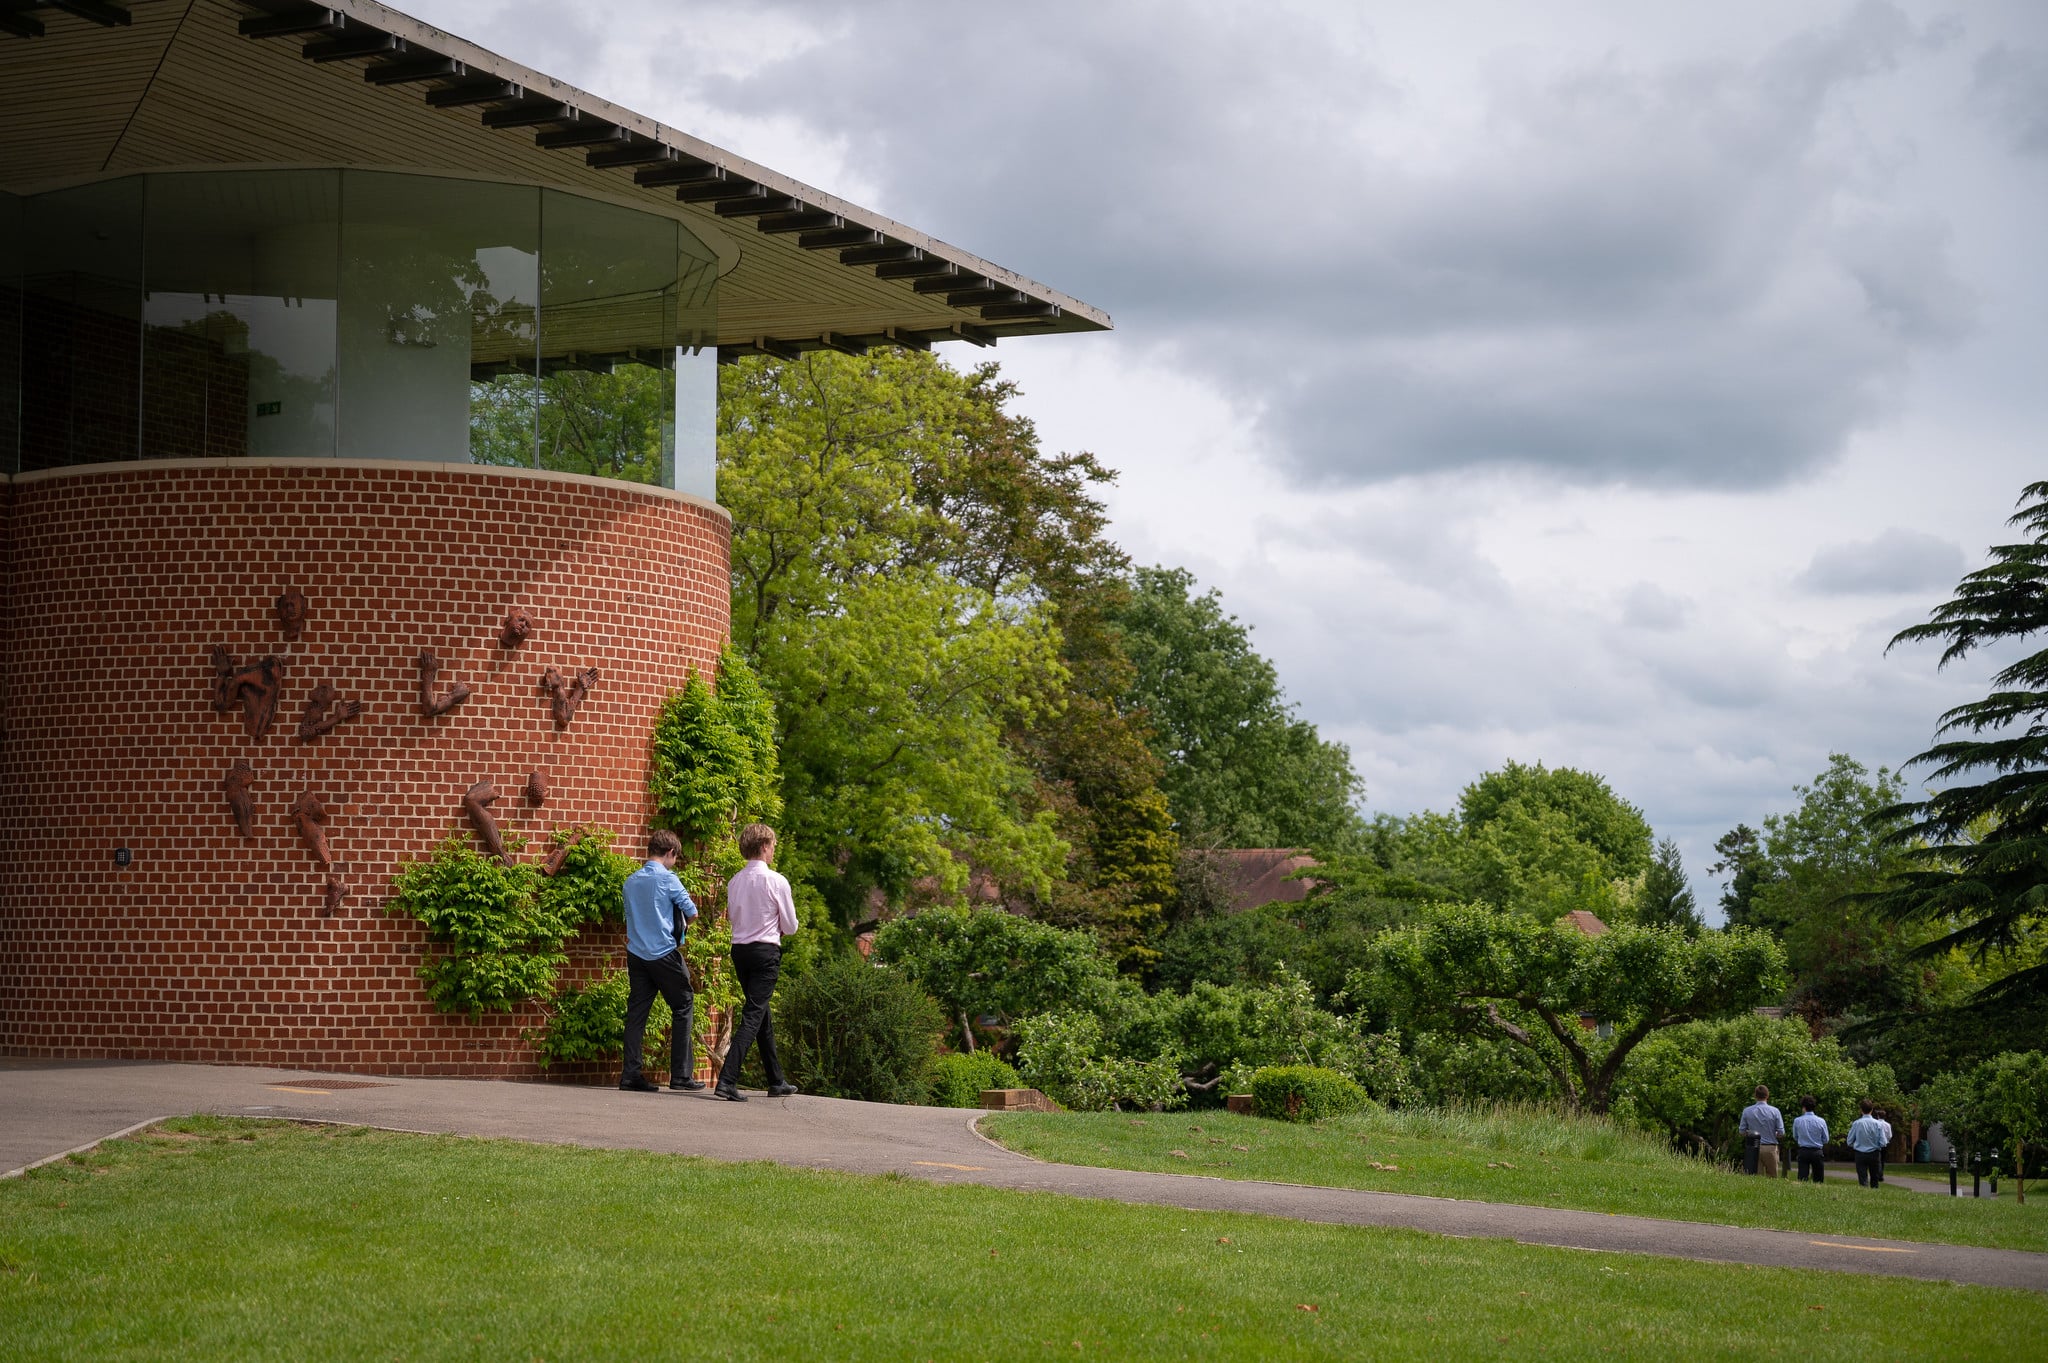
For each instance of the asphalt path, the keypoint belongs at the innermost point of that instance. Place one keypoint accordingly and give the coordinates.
(48, 1109)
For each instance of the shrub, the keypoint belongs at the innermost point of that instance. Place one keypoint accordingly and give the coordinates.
(957, 1080)
(590, 1024)
(1304, 1093)
(849, 1030)
(500, 943)
(1066, 1057)
(713, 765)
(989, 961)
(590, 885)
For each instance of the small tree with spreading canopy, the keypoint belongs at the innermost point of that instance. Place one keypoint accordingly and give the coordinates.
(1472, 967)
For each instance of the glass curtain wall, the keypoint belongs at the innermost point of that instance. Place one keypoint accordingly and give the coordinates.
(10, 333)
(358, 314)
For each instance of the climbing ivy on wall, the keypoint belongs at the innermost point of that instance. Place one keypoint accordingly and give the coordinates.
(497, 929)
(713, 768)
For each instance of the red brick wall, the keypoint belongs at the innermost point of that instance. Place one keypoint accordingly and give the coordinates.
(209, 948)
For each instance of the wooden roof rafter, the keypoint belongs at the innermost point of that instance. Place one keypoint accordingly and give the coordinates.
(352, 83)
(998, 308)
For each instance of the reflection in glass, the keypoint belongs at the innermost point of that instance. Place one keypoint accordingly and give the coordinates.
(10, 333)
(323, 313)
(438, 283)
(81, 317)
(239, 314)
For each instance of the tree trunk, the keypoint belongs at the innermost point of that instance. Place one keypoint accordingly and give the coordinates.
(967, 1031)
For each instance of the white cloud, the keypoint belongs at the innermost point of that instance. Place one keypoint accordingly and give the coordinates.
(1896, 561)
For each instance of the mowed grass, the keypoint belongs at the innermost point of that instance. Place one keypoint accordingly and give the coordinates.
(1516, 1155)
(226, 1239)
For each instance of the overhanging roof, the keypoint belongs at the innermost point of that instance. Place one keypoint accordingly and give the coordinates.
(93, 88)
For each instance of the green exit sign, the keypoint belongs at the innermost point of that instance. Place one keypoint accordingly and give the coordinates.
(269, 408)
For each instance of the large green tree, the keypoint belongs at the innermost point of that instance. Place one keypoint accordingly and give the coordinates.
(921, 587)
(1492, 972)
(1241, 769)
(1976, 850)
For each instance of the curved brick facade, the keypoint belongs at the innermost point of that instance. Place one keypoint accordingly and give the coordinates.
(121, 580)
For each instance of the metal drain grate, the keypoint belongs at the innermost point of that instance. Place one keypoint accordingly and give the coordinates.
(327, 1084)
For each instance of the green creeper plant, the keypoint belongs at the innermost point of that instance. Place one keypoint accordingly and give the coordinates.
(498, 928)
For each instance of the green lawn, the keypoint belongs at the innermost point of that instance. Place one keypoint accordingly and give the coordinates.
(1538, 1160)
(223, 1239)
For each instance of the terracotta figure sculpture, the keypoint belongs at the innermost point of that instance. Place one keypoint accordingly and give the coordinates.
(568, 692)
(477, 805)
(291, 613)
(430, 704)
(253, 686)
(236, 784)
(309, 812)
(556, 858)
(518, 625)
(536, 788)
(324, 711)
(334, 896)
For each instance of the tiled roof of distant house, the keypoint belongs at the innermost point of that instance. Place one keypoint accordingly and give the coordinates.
(1587, 923)
(1259, 875)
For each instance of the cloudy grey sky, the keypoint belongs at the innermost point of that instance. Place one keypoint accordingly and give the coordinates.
(1592, 383)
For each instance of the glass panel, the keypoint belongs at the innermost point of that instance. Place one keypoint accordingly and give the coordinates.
(10, 333)
(439, 283)
(81, 308)
(239, 313)
(611, 290)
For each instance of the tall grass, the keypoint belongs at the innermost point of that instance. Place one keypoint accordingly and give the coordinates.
(1526, 1129)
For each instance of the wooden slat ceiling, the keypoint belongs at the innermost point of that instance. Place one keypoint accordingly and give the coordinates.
(116, 86)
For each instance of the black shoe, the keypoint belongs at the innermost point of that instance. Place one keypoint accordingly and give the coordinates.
(639, 1084)
(731, 1095)
(781, 1090)
(687, 1085)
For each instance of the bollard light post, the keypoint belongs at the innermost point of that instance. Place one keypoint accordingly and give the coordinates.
(1976, 1173)
(1994, 1173)
(1951, 1169)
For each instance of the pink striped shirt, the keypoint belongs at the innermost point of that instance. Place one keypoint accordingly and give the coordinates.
(759, 906)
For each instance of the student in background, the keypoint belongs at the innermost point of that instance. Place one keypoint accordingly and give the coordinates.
(1867, 1141)
(1766, 1125)
(1810, 1139)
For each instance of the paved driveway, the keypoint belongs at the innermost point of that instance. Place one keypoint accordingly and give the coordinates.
(46, 1109)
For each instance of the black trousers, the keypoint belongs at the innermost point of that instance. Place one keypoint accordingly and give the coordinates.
(757, 964)
(1812, 1161)
(1869, 1172)
(672, 978)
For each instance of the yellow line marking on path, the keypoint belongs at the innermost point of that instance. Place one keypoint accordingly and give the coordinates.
(287, 1088)
(940, 1164)
(1867, 1249)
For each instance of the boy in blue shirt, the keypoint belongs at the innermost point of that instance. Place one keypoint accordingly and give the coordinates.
(657, 907)
(1810, 1134)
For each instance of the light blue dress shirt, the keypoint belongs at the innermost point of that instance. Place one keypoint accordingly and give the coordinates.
(657, 906)
(1809, 1129)
(1866, 1134)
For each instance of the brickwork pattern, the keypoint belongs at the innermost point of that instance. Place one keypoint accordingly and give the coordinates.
(208, 948)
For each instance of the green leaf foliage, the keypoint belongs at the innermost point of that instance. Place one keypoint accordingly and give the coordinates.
(2000, 1104)
(846, 1029)
(1978, 848)
(714, 766)
(1067, 1056)
(1240, 769)
(986, 961)
(589, 1023)
(1304, 1093)
(1475, 968)
(958, 1080)
(1692, 1082)
(496, 946)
